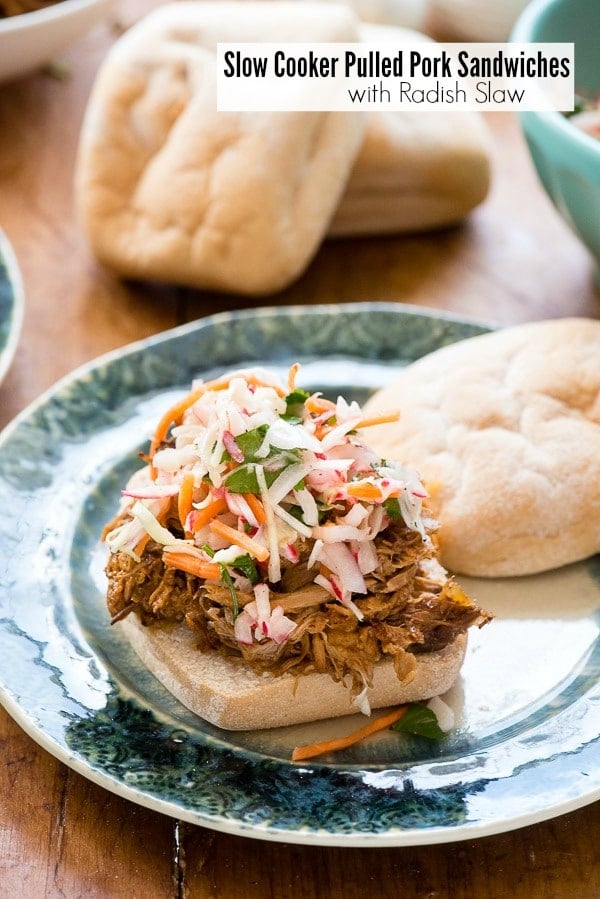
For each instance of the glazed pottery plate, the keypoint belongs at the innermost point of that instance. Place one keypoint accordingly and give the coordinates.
(11, 304)
(525, 745)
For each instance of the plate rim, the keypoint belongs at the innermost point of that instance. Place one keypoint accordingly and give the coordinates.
(15, 279)
(395, 836)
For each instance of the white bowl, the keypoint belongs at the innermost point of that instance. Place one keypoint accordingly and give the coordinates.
(34, 38)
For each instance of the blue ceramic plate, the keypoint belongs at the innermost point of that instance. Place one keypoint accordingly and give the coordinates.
(526, 743)
(11, 304)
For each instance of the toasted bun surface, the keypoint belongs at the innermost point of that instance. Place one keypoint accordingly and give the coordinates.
(504, 429)
(231, 696)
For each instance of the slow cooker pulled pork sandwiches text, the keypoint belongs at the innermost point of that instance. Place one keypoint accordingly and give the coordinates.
(264, 523)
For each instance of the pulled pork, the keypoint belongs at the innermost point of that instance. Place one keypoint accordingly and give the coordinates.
(410, 608)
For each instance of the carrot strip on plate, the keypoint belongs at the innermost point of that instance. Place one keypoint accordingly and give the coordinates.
(208, 571)
(301, 753)
(239, 538)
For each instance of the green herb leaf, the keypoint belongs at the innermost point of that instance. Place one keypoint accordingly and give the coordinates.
(247, 566)
(420, 720)
(249, 442)
(243, 479)
(392, 507)
(227, 582)
(295, 406)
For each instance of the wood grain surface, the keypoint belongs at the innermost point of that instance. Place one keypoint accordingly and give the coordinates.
(513, 261)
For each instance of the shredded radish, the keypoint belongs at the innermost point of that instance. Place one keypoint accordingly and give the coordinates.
(152, 491)
(339, 558)
(332, 587)
(310, 510)
(296, 525)
(272, 535)
(232, 447)
(260, 621)
(151, 525)
(362, 701)
(228, 555)
(240, 507)
(443, 713)
(315, 553)
(247, 479)
(286, 481)
(339, 533)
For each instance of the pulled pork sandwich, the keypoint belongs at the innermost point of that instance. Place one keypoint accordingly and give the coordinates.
(269, 568)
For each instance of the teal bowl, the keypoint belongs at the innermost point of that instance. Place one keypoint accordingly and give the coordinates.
(567, 159)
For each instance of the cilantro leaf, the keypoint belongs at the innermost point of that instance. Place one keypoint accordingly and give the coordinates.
(392, 507)
(247, 566)
(249, 442)
(294, 402)
(419, 720)
(228, 583)
(243, 479)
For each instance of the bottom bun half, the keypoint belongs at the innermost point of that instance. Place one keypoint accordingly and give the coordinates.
(230, 695)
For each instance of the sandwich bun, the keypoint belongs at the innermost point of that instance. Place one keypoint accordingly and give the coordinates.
(228, 694)
(504, 429)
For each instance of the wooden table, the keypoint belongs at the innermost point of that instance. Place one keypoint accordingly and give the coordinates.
(514, 260)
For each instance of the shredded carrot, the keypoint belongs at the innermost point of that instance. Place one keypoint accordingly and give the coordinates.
(117, 520)
(256, 506)
(205, 515)
(292, 373)
(240, 539)
(258, 382)
(379, 420)
(141, 544)
(318, 404)
(173, 415)
(301, 753)
(208, 571)
(185, 498)
(364, 490)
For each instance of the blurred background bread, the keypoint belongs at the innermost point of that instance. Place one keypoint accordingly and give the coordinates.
(169, 189)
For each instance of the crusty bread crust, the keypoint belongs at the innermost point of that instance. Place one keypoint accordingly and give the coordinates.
(231, 696)
(504, 428)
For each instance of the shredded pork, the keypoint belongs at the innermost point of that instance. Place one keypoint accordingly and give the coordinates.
(407, 610)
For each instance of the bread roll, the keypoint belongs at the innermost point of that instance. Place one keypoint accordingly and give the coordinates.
(505, 431)
(172, 190)
(231, 696)
(416, 170)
